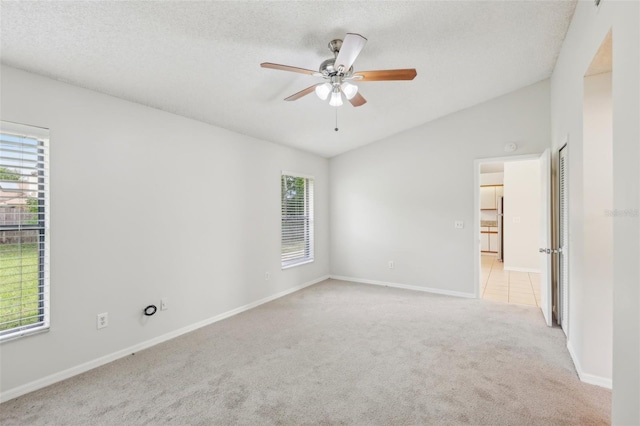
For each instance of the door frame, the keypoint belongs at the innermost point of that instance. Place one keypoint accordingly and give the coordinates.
(477, 253)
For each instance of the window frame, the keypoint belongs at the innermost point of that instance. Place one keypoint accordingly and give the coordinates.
(309, 214)
(42, 227)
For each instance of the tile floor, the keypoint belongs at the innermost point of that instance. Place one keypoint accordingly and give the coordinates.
(522, 288)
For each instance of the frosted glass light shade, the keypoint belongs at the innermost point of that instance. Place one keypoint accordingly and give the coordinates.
(349, 89)
(336, 99)
(323, 90)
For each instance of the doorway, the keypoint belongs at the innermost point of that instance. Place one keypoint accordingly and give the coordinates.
(509, 210)
(592, 213)
(526, 251)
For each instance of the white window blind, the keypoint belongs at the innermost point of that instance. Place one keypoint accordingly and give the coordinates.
(24, 230)
(297, 219)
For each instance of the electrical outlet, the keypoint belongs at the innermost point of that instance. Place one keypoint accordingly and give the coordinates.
(458, 224)
(267, 276)
(103, 320)
(392, 264)
(516, 219)
(163, 304)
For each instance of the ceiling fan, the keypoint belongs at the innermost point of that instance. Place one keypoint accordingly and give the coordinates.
(338, 73)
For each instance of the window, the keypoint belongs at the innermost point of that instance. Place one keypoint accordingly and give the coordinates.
(297, 219)
(24, 230)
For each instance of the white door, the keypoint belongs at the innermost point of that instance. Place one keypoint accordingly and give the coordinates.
(545, 236)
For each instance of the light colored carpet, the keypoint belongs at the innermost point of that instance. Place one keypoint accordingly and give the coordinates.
(338, 353)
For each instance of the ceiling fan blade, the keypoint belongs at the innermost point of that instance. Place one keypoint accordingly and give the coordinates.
(385, 75)
(358, 100)
(301, 93)
(289, 68)
(351, 47)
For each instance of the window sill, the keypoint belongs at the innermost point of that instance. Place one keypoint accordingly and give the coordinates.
(294, 264)
(23, 333)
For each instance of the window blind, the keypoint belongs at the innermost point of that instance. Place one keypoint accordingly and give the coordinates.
(297, 220)
(24, 228)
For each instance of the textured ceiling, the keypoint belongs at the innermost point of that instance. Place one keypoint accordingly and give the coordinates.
(201, 59)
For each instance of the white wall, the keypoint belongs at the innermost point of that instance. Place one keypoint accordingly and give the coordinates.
(586, 32)
(146, 204)
(397, 199)
(597, 199)
(522, 215)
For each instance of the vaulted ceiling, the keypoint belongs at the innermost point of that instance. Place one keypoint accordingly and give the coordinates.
(202, 59)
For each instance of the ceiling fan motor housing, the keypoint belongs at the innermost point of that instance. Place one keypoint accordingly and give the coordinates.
(327, 69)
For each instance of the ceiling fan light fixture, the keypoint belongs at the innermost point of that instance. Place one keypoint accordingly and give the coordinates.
(349, 89)
(323, 90)
(336, 98)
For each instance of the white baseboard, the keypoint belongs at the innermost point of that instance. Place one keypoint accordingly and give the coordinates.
(73, 371)
(586, 377)
(405, 286)
(516, 269)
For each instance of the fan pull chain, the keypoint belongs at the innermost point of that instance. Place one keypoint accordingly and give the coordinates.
(336, 129)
